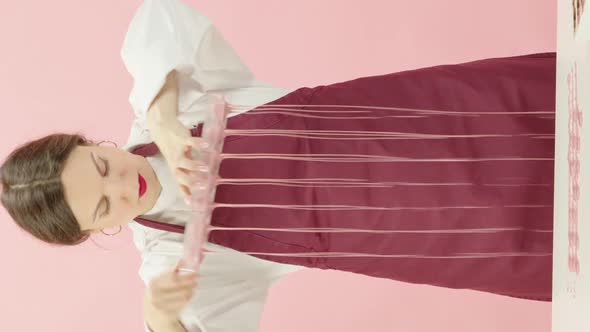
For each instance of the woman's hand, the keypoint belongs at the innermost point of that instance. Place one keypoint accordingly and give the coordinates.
(167, 295)
(172, 137)
(176, 143)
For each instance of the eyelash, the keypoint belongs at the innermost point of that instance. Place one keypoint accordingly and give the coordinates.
(106, 173)
(106, 166)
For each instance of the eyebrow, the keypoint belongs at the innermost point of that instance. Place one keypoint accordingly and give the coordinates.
(100, 201)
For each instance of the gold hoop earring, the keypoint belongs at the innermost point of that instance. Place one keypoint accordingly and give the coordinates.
(113, 234)
(113, 143)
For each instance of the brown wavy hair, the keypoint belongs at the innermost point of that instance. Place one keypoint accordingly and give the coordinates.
(33, 193)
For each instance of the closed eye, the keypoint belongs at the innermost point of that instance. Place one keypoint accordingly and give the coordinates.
(108, 201)
(106, 166)
(103, 198)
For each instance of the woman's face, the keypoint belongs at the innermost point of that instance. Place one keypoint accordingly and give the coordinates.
(102, 186)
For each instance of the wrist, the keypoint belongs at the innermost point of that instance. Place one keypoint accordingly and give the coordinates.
(155, 319)
(157, 118)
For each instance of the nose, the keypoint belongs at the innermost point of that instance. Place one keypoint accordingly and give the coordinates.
(120, 185)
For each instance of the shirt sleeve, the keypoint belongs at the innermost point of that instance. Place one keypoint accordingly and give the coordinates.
(164, 35)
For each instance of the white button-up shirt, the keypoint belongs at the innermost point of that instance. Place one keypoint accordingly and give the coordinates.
(165, 35)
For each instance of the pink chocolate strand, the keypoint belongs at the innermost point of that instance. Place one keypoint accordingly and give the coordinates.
(361, 158)
(319, 207)
(359, 135)
(304, 184)
(352, 255)
(373, 231)
(301, 108)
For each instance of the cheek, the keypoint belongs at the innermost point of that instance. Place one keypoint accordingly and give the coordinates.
(129, 208)
(138, 160)
(124, 212)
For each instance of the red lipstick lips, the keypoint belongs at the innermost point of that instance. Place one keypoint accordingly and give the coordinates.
(142, 185)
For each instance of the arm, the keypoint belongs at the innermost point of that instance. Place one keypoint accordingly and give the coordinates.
(164, 108)
(171, 136)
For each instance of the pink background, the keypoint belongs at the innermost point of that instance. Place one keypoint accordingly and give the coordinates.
(61, 71)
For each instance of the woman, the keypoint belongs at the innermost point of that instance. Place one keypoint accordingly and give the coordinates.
(63, 188)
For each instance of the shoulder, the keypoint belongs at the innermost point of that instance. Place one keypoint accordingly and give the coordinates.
(159, 251)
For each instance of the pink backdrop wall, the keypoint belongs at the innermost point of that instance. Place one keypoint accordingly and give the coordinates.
(61, 71)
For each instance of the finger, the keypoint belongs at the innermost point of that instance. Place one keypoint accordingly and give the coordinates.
(192, 165)
(186, 193)
(190, 181)
(189, 146)
(187, 152)
(181, 295)
(172, 281)
(171, 300)
(184, 178)
(198, 148)
(169, 309)
(197, 143)
(173, 294)
(180, 264)
(181, 269)
(181, 279)
(173, 308)
(177, 274)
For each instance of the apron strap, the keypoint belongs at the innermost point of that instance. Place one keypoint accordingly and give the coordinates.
(160, 225)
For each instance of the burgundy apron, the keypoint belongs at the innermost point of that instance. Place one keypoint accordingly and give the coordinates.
(513, 84)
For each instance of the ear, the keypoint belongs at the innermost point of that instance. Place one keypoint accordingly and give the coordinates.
(109, 144)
